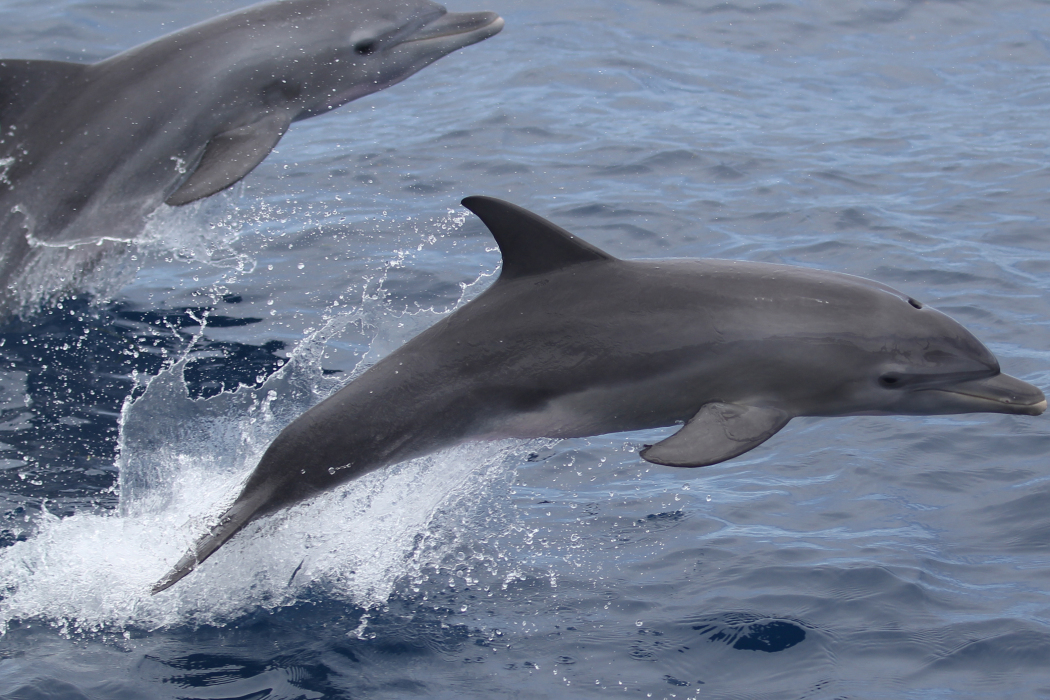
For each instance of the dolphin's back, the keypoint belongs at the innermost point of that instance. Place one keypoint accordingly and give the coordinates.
(25, 82)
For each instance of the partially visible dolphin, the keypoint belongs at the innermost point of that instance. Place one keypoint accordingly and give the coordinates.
(570, 341)
(88, 151)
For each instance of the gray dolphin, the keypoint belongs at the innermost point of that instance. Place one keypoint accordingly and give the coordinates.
(87, 151)
(570, 341)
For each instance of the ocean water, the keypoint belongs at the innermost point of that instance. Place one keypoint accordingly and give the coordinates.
(866, 557)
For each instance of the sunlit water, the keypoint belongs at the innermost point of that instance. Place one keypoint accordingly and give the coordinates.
(862, 557)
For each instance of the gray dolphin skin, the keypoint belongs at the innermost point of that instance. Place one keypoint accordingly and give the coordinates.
(570, 342)
(87, 151)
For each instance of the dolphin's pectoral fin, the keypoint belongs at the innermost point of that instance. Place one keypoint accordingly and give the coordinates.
(229, 156)
(719, 431)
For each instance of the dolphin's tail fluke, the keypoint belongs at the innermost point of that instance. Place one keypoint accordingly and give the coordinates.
(240, 514)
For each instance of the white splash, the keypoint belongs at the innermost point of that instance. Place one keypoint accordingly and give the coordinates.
(182, 461)
(91, 573)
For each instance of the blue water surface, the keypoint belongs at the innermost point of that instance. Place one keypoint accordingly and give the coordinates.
(866, 557)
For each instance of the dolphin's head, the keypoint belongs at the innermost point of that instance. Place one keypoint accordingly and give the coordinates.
(900, 356)
(325, 53)
(935, 366)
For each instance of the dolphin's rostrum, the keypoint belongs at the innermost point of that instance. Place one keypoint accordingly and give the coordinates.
(87, 151)
(570, 341)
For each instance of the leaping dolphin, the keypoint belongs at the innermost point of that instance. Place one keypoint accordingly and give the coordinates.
(88, 151)
(570, 341)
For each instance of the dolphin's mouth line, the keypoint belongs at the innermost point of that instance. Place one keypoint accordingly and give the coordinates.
(992, 399)
(998, 393)
(458, 24)
(938, 382)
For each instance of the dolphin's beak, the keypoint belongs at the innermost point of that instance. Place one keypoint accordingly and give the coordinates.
(468, 27)
(999, 394)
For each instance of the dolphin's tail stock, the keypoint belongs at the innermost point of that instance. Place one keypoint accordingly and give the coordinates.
(239, 514)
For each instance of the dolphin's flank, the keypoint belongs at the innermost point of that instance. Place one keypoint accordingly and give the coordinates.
(570, 341)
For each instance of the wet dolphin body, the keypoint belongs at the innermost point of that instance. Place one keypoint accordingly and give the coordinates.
(570, 342)
(88, 150)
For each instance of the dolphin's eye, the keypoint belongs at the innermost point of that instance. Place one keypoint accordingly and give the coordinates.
(916, 304)
(365, 47)
(890, 381)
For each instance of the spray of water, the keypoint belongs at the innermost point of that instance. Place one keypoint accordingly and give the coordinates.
(183, 460)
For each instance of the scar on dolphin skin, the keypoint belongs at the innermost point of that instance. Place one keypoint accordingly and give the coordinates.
(88, 150)
(571, 341)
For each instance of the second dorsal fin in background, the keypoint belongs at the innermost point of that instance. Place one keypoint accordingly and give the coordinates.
(530, 244)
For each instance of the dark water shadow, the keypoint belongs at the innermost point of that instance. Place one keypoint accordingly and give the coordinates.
(65, 373)
(747, 632)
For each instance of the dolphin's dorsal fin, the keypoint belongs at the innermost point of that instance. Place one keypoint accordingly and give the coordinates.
(23, 82)
(530, 244)
(229, 156)
(719, 431)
